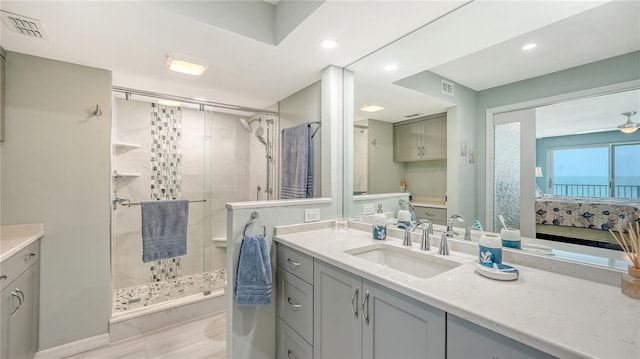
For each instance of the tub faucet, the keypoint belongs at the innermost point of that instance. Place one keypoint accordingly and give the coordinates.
(455, 217)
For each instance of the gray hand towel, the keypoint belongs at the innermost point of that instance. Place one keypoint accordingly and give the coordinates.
(252, 286)
(164, 229)
(297, 162)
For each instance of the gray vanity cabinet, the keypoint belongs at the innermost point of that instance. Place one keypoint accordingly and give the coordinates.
(466, 340)
(356, 318)
(19, 331)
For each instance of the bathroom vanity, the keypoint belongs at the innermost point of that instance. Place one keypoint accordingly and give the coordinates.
(20, 280)
(421, 304)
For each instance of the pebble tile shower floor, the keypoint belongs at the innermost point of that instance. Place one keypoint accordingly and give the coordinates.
(141, 296)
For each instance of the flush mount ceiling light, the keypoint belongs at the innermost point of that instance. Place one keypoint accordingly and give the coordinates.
(371, 108)
(529, 46)
(629, 126)
(329, 44)
(185, 64)
(391, 67)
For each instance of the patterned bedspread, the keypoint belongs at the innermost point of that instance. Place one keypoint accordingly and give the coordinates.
(587, 212)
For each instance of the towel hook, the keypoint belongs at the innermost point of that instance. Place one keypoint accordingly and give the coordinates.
(97, 111)
(254, 217)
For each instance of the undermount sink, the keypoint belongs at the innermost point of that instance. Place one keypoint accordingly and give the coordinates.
(414, 263)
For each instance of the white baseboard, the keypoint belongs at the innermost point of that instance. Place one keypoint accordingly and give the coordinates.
(73, 348)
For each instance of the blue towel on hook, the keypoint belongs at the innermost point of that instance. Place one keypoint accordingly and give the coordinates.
(297, 162)
(252, 286)
(164, 229)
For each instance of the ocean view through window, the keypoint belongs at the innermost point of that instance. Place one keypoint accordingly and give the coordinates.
(597, 171)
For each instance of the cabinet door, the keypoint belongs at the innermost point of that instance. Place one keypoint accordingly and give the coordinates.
(468, 340)
(20, 331)
(435, 139)
(336, 315)
(399, 326)
(408, 142)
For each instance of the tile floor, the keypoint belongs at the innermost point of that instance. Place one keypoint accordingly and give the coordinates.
(199, 338)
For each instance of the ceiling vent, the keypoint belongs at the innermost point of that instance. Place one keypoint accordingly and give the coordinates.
(446, 87)
(24, 25)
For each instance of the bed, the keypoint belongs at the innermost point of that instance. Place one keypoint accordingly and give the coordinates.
(586, 219)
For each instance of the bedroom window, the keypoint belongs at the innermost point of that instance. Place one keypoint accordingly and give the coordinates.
(596, 171)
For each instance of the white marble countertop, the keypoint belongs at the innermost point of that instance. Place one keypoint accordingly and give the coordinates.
(558, 314)
(13, 238)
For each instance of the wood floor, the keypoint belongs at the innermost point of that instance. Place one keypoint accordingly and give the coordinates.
(199, 338)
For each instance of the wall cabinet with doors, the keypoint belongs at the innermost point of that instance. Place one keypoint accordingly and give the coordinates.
(20, 279)
(420, 140)
(356, 318)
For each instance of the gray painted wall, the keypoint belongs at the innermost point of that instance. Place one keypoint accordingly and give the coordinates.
(56, 171)
(611, 71)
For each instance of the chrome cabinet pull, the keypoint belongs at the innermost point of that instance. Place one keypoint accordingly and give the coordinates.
(290, 354)
(28, 258)
(297, 306)
(354, 301)
(20, 292)
(293, 264)
(14, 294)
(365, 312)
(423, 150)
(2, 278)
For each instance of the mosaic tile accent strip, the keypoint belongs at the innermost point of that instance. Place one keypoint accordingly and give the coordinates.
(146, 295)
(166, 152)
(166, 172)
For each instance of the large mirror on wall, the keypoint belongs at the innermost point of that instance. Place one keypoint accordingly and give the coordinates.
(573, 65)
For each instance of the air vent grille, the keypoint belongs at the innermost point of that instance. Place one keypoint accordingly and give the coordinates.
(24, 25)
(447, 87)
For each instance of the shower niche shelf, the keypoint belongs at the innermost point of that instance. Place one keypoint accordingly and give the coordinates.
(117, 174)
(123, 146)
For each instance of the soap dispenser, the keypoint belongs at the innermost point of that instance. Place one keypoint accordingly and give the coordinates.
(404, 217)
(379, 224)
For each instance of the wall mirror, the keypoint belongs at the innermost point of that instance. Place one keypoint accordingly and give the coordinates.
(472, 60)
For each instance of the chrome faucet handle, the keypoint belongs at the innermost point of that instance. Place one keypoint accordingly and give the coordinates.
(424, 243)
(444, 244)
(407, 238)
(467, 234)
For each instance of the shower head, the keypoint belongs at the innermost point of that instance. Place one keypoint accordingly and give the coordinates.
(259, 135)
(247, 125)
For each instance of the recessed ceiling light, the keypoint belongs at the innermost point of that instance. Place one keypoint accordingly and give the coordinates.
(328, 44)
(529, 46)
(371, 108)
(391, 67)
(185, 64)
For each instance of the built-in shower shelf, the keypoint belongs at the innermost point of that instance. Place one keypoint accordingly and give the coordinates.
(219, 242)
(117, 174)
(125, 146)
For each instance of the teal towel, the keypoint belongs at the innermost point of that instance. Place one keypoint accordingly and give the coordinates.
(252, 286)
(164, 229)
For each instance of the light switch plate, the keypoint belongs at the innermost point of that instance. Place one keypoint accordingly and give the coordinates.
(367, 209)
(311, 215)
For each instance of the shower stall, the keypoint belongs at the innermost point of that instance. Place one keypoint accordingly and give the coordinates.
(266, 138)
(179, 149)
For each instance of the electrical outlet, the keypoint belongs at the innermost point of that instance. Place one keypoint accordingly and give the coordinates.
(367, 209)
(311, 215)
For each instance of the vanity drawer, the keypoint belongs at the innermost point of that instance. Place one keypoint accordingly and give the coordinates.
(295, 303)
(435, 215)
(295, 262)
(13, 266)
(290, 344)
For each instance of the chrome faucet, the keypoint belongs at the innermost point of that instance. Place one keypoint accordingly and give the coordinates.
(444, 244)
(467, 233)
(427, 229)
(455, 217)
